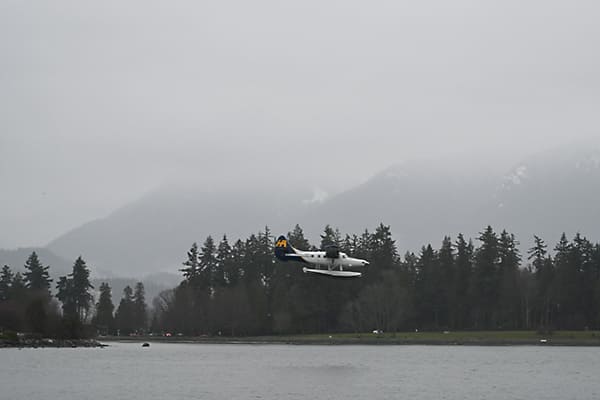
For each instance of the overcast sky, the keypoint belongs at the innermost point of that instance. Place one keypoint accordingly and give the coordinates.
(101, 102)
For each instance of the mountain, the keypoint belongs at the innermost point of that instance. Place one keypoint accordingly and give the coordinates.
(421, 201)
(153, 283)
(545, 194)
(15, 259)
(154, 233)
(550, 193)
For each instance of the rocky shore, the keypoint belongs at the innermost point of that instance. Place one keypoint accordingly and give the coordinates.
(42, 343)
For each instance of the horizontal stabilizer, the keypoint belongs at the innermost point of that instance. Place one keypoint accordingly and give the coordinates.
(337, 274)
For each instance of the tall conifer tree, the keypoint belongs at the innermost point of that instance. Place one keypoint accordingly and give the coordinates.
(104, 318)
(125, 315)
(462, 282)
(224, 261)
(543, 272)
(139, 307)
(297, 239)
(486, 280)
(208, 261)
(73, 292)
(508, 306)
(6, 278)
(36, 275)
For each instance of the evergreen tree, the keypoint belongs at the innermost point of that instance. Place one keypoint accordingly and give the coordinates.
(508, 306)
(208, 260)
(18, 289)
(224, 262)
(485, 283)
(192, 270)
(255, 290)
(382, 252)
(350, 245)
(292, 298)
(251, 271)
(233, 269)
(266, 263)
(544, 275)
(81, 286)
(457, 286)
(410, 267)
(330, 237)
(73, 292)
(139, 307)
(567, 286)
(297, 239)
(582, 254)
(427, 286)
(445, 282)
(464, 268)
(365, 246)
(265, 256)
(288, 283)
(527, 293)
(125, 315)
(64, 288)
(36, 275)
(192, 298)
(6, 278)
(104, 319)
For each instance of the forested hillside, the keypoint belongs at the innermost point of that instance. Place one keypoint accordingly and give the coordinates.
(422, 201)
(240, 289)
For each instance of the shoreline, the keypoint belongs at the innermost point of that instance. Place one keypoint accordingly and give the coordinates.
(465, 338)
(514, 338)
(50, 343)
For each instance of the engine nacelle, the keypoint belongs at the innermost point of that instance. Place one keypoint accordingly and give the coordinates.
(332, 252)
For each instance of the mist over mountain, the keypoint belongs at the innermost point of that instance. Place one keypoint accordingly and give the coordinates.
(545, 194)
(16, 260)
(154, 233)
(422, 202)
(550, 193)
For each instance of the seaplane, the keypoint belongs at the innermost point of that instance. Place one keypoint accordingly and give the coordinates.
(329, 261)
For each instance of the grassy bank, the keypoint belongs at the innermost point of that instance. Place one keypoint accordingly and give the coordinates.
(482, 338)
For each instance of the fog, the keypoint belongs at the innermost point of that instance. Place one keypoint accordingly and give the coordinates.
(104, 101)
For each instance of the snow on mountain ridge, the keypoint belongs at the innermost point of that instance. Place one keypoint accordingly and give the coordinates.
(318, 197)
(552, 165)
(519, 175)
(515, 177)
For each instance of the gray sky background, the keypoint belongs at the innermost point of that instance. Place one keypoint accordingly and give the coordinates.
(102, 101)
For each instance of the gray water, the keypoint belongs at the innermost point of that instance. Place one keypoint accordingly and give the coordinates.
(197, 371)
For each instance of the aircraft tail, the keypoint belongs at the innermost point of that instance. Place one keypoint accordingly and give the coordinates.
(283, 249)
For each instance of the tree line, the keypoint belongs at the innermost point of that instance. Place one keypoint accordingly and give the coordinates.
(241, 289)
(28, 305)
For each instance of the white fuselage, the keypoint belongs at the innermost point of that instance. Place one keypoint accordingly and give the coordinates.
(318, 258)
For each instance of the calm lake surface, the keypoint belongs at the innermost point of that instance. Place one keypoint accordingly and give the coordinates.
(200, 371)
